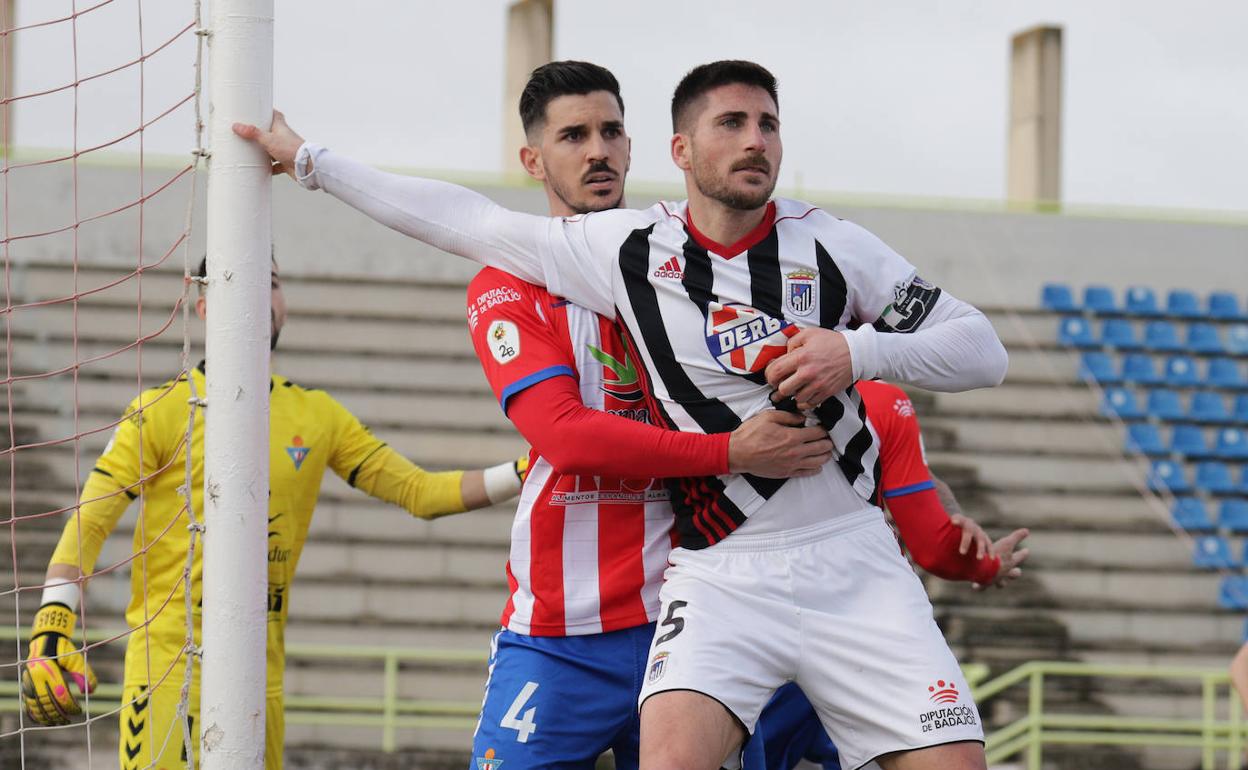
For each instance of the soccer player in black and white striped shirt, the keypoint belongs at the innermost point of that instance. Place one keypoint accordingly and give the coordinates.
(732, 298)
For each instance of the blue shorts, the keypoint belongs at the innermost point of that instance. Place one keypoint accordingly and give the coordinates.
(789, 731)
(561, 701)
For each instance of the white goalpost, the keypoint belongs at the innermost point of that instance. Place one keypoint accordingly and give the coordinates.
(236, 439)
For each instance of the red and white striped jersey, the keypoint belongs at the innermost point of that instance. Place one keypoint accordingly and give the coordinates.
(587, 552)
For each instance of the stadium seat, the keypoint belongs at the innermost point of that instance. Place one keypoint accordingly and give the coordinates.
(1074, 332)
(1231, 444)
(1098, 367)
(1167, 475)
(1224, 306)
(1203, 337)
(1233, 515)
(1058, 297)
(1181, 372)
(1233, 592)
(1121, 403)
(1208, 407)
(1241, 410)
(1119, 333)
(1161, 336)
(1189, 440)
(1142, 301)
(1224, 373)
(1190, 514)
(1243, 480)
(1212, 552)
(1237, 340)
(1100, 300)
(1182, 304)
(1164, 405)
(1214, 478)
(1143, 437)
(1138, 368)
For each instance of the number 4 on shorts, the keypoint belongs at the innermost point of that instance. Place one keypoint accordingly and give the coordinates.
(524, 726)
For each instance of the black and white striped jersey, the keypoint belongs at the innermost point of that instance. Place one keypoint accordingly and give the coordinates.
(706, 318)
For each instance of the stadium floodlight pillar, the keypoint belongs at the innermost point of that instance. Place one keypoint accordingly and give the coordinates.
(236, 430)
(530, 44)
(1035, 154)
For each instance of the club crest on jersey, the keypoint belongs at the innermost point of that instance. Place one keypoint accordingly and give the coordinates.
(658, 667)
(488, 762)
(619, 379)
(298, 452)
(800, 290)
(744, 340)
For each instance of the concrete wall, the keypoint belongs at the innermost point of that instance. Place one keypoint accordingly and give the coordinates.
(991, 258)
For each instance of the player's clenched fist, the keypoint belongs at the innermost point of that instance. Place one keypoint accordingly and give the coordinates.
(51, 665)
(775, 445)
(816, 367)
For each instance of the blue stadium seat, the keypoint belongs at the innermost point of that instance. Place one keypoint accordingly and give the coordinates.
(1224, 306)
(1142, 301)
(1119, 333)
(1120, 403)
(1138, 368)
(1183, 304)
(1143, 437)
(1074, 332)
(1224, 373)
(1237, 340)
(1098, 367)
(1233, 592)
(1181, 372)
(1058, 297)
(1189, 440)
(1233, 514)
(1161, 336)
(1231, 444)
(1241, 410)
(1190, 514)
(1243, 480)
(1203, 337)
(1100, 300)
(1167, 475)
(1164, 405)
(1212, 552)
(1214, 478)
(1208, 407)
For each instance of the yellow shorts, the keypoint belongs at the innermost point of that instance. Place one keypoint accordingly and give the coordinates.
(152, 736)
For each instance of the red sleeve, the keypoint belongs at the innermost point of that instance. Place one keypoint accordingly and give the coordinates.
(903, 468)
(578, 440)
(933, 539)
(513, 334)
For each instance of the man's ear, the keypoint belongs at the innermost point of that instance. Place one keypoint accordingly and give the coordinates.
(531, 159)
(681, 152)
(201, 308)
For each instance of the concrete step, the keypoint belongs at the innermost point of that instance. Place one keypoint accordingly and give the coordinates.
(1113, 550)
(1018, 401)
(1110, 628)
(1022, 472)
(1079, 511)
(1063, 438)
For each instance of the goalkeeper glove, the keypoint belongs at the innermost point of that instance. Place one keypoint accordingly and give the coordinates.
(503, 481)
(54, 661)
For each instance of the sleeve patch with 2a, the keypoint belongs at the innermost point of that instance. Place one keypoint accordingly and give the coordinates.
(913, 301)
(503, 340)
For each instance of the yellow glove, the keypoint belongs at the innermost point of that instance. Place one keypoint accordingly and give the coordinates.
(521, 467)
(52, 662)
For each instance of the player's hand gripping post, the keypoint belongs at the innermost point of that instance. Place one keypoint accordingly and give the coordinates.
(280, 142)
(816, 367)
(774, 444)
(1012, 558)
(52, 663)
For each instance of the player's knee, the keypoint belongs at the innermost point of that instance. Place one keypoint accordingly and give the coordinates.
(964, 755)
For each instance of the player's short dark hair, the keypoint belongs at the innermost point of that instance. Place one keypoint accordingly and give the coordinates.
(563, 78)
(708, 77)
(202, 270)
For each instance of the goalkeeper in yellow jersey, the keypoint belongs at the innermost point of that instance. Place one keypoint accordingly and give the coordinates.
(309, 432)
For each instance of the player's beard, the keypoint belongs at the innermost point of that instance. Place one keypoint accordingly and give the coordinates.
(591, 203)
(717, 187)
(275, 331)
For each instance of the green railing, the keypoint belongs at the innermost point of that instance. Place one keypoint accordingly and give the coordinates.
(1026, 736)
(1029, 734)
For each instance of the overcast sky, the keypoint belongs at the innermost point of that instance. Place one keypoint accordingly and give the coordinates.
(892, 97)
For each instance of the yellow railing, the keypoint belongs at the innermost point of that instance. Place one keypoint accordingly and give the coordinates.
(1026, 736)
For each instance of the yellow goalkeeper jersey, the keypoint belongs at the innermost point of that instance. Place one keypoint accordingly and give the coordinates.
(146, 459)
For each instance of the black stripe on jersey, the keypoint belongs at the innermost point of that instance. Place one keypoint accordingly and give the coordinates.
(356, 470)
(832, 290)
(766, 284)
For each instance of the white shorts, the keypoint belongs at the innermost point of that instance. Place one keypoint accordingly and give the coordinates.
(834, 607)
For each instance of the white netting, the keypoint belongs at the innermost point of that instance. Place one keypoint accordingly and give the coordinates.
(100, 111)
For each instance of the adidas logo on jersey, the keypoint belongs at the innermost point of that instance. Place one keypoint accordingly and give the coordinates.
(670, 269)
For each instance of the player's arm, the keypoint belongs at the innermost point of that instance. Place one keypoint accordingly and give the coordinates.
(53, 660)
(547, 251)
(1239, 674)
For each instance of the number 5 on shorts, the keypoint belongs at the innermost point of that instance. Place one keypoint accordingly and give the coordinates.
(524, 726)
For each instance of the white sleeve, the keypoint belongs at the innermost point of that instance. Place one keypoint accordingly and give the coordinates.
(563, 254)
